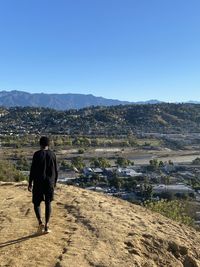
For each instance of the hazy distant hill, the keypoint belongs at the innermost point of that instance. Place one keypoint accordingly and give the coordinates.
(57, 101)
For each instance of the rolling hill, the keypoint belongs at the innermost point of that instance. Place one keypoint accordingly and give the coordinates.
(112, 120)
(90, 229)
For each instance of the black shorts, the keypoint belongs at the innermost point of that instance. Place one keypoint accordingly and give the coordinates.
(42, 193)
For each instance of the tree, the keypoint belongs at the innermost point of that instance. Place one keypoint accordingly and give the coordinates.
(154, 162)
(82, 141)
(161, 164)
(65, 165)
(99, 163)
(78, 163)
(196, 161)
(81, 151)
(116, 182)
(95, 179)
(166, 180)
(122, 162)
(130, 184)
(146, 191)
(153, 165)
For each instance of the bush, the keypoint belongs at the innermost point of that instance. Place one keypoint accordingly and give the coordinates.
(78, 163)
(99, 163)
(122, 162)
(81, 151)
(175, 210)
(22, 164)
(8, 172)
(65, 165)
(196, 161)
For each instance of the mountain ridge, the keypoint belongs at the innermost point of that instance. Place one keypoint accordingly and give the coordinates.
(60, 101)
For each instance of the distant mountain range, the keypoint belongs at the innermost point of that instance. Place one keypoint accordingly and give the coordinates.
(59, 101)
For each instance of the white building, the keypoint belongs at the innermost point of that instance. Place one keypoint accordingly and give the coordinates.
(128, 172)
(175, 188)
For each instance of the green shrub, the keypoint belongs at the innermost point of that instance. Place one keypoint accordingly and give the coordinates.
(122, 162)
(78, 163)
(99, 163)
(196, 161)
(81, 151)
(8, 172)
(175, 210)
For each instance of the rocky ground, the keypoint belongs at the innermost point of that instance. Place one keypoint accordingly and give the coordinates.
(91, 229)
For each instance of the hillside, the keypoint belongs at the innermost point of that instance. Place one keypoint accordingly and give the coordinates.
(91, 229)
(113, 120)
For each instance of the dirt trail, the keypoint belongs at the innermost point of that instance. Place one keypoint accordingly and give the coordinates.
(91, 229)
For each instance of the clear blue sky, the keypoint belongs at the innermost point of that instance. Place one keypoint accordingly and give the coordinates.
(125, 49)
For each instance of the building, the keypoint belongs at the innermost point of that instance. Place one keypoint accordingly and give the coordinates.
(175, 188)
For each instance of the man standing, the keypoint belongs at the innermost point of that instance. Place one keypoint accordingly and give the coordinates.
(44, 176)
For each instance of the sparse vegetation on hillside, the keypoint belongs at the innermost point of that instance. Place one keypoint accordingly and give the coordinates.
(175, 209)
(110, 121)
(9, 173)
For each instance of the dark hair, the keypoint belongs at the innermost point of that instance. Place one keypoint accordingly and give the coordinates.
(44, 141)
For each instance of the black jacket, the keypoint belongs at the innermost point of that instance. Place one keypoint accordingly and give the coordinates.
(43, 168)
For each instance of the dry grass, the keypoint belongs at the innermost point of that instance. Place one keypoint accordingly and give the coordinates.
(91, 229)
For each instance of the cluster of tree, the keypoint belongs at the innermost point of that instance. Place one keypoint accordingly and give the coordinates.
(59, 140)
(145, 191)
(155, 164)
(100, 162)
(123, 162)
(78, 163)
(115, 181)
(111, 121)
(195, 183)
(17, 141)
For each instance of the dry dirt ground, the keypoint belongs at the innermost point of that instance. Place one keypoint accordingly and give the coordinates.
(91, 229)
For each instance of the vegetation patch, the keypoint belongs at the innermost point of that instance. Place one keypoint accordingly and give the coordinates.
(9, 173)
(175, 210)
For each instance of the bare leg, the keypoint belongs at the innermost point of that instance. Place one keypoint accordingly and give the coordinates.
(38, 212)
(47, 212)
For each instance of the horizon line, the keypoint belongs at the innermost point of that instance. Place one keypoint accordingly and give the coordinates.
(90, 94)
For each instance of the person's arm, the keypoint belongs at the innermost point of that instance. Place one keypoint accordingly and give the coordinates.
(56, 170)
(32, 174)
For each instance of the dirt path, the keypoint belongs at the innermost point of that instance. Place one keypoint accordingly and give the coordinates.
(90, 229)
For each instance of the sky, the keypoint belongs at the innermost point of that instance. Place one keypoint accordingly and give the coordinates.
(131, 50)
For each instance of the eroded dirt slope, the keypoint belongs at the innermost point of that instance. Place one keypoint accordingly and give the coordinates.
(91, 229)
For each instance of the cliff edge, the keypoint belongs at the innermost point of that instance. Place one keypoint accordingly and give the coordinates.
(91, 229)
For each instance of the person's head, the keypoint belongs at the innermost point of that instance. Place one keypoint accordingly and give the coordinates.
(44, 142)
